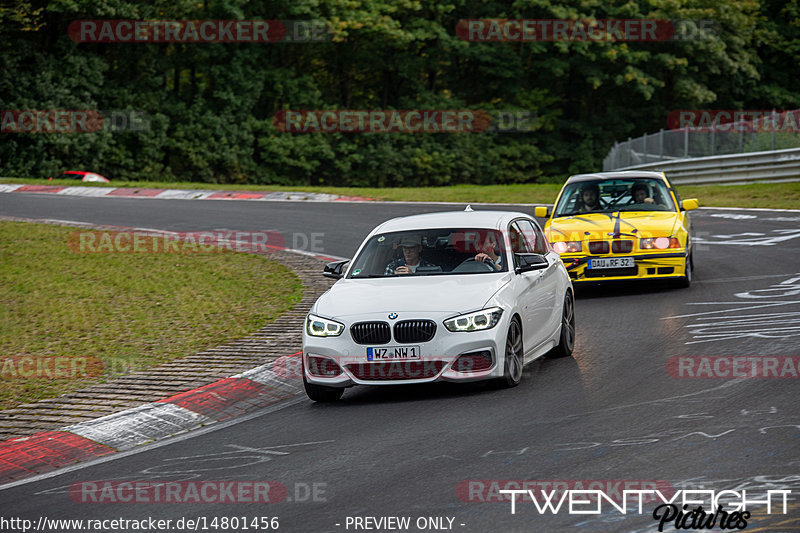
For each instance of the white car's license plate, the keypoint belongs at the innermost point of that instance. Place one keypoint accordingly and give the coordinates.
(392, 353)
(611, 262)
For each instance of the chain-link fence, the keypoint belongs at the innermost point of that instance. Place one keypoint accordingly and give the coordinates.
(720, 139)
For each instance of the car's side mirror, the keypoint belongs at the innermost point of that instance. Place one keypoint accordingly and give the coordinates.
(689, 204)
(528, 262)
(334, 270)
(541, 212)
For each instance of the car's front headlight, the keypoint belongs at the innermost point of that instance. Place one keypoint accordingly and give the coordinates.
(316, 326)
(660, 243)
(567, 247)
(475, 321)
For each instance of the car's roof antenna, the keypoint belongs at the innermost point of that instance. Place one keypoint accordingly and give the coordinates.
(469, 208)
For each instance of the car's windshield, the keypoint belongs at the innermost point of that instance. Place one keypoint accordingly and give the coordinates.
(604, 196)
(431, 252)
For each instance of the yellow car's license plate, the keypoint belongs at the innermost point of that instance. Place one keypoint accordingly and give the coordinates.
(611, 262)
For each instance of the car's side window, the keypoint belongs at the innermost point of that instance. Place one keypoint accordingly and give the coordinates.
(534, 236)
(519, 244)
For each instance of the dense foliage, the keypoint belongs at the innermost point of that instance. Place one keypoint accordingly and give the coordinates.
(210, 106)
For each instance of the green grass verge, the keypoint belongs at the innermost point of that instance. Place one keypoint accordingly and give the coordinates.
(129, 310)
(769, 195)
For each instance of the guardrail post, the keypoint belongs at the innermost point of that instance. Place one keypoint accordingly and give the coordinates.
(661, 144)
(741, 136)
(630, 152)
(686, 141)
(772, 129)
(713, 140)
(644, 149)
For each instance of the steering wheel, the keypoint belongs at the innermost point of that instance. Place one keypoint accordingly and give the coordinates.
(490, 265)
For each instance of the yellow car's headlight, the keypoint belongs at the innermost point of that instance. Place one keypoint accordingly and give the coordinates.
(659, 243)
(567, 247)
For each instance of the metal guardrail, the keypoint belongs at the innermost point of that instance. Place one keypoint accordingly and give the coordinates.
(712, 151)
(775, 166)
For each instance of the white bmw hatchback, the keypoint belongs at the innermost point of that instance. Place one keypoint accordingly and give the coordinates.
(458, 296)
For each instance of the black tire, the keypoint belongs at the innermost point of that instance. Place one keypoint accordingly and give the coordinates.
(513, 360)
(686, 281)
(567, 339)
(321, 393)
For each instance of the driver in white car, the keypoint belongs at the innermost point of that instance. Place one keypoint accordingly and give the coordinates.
(412, 246)
(488, 252)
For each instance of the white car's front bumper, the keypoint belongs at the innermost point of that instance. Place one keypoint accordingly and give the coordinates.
(437, 362)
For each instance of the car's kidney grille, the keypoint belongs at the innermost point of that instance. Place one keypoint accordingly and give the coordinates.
(414, 330)
(396, 370)
(598, 247)
(371, 332)
(621, 247)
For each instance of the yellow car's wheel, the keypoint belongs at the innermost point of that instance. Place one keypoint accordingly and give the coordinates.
(686, 280)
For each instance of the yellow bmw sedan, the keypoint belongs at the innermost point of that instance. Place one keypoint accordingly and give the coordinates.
(621, 226)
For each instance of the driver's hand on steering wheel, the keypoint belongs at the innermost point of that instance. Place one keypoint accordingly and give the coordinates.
(484, 258)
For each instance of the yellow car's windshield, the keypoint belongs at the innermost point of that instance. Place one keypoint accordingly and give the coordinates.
(606, 196)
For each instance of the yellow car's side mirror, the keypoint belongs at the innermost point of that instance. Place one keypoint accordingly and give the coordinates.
(689, 204)
(541, 212)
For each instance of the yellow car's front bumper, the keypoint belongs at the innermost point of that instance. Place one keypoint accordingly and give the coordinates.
(660, 265)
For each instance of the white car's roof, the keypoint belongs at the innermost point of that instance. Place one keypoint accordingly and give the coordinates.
(451, 219)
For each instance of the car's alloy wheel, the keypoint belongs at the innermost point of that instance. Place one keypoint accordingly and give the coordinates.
(512, 367)
(687, 279)
(567, 339)
(321, 393)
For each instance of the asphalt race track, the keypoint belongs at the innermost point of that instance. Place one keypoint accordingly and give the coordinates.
(613, 413)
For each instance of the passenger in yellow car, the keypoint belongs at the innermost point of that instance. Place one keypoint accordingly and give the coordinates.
(640, 194)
